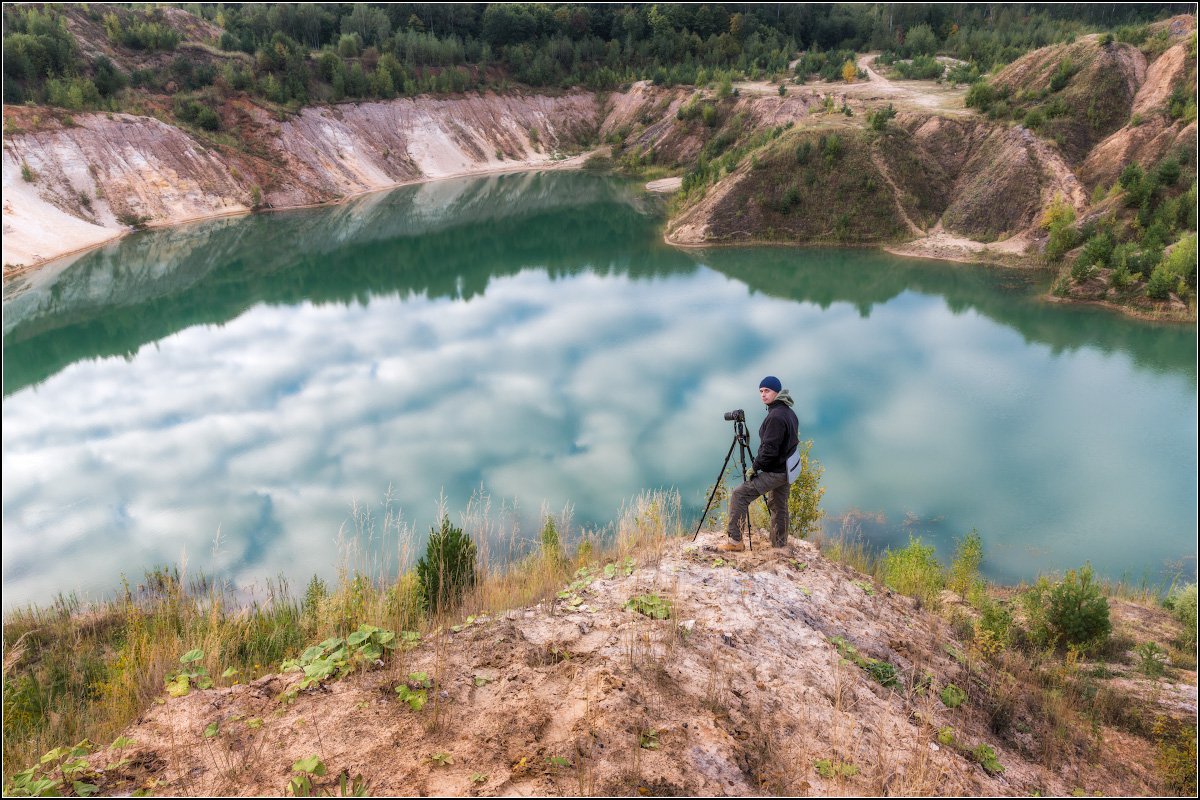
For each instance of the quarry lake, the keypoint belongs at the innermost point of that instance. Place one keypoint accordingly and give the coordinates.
(226, 393)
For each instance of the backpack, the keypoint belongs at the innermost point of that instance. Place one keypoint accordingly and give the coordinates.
(793, 465)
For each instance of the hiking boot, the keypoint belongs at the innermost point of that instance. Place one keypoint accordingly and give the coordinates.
(730, 546)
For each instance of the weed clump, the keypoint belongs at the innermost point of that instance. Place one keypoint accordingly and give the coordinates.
(964, 570)
(448, 567)
(650, 605)
(913, 570)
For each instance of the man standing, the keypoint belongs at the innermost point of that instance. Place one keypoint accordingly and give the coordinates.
(778, 437)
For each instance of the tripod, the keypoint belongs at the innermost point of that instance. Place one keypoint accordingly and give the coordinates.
(741, 440)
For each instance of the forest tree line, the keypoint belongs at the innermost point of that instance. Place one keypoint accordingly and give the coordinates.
(296, 54)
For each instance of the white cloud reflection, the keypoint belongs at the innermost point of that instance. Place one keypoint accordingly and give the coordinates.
(582, 390)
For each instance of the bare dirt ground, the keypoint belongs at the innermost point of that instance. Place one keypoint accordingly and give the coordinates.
(942, 98)
(665, 185)
(946, 246)
(747, 688)
(876, 90)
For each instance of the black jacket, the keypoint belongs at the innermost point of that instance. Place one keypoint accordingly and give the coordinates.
(778, 436)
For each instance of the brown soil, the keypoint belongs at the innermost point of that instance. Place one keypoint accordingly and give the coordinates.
(742, 691)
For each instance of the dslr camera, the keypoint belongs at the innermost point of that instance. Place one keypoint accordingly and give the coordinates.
(737, 415)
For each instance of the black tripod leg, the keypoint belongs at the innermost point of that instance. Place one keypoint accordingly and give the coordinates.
(742, 452)
(717, 486)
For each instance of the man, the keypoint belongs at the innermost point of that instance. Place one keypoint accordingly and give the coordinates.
(778, 437)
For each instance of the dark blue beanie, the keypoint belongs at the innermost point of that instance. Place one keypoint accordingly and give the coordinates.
(772, 383)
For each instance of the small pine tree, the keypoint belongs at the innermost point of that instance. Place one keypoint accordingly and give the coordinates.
(1077, 611)
(313, 595)
(551, 546)
(448, 567)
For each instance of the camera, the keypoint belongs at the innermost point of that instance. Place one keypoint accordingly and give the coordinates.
(737, 415)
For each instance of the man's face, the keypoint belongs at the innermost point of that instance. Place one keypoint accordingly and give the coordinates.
(767, 395)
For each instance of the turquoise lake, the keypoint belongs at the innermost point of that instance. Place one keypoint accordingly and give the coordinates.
(247, 382)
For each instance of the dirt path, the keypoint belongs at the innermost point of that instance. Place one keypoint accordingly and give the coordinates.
(916, 95)
(908, 95)
(887, 176)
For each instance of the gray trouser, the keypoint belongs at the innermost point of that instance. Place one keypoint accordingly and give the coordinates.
(775, 486)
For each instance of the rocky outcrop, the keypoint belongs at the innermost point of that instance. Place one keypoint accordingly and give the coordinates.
(342, 150)
(1151, 134)
(1096, 100)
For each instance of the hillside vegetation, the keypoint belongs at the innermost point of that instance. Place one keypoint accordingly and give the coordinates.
(243, 108)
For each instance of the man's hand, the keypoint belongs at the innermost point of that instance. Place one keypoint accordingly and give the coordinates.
(750, 473)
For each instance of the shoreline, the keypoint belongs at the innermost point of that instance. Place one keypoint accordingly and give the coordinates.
(576, 161)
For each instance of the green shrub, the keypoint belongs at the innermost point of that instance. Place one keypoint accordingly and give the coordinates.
(1082, 269)
(831, 148)
(1182, 604)
(964, 570)
(986, 757)
(1167, 171)
(1181, 261)
(1152, 659)
(316, 592)
(1099, 248)
(922, 67)
(1182, 103)
(1132, 34)
(913, 570)
(878, 120)
(1161, 284)
(1060, 241)
(993, 629)
(197, 114)
(981, 95)
(1131, 175)
(804, 495)
(650, 605)
(448, 567)
(963, 73)
(952, 696)
(1077, 611)
(1063, 74)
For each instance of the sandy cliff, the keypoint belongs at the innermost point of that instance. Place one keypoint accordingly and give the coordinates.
(71, 182)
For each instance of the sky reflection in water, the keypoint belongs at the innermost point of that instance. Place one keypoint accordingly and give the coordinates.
(531, 335)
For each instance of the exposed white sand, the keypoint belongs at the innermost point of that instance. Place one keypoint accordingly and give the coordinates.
(36, 231)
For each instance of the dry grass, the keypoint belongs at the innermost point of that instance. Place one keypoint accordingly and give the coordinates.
(74, 672)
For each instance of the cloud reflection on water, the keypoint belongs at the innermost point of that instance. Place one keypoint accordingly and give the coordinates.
(583, 387)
